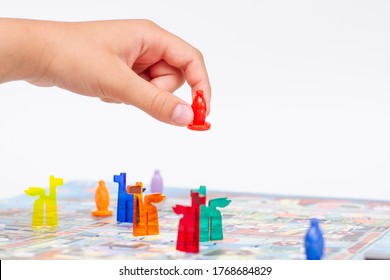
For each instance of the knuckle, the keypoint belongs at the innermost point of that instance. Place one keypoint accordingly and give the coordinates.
(149, 23)
(198, 54)
(158, 103)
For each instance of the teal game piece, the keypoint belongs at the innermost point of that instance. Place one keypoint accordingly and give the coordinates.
(210, 218)
(216, 217)
(202, 191)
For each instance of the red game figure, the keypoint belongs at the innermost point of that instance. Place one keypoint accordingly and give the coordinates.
(200, 110)
(188, 232)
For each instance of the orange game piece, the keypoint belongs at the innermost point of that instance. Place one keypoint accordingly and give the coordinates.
(147, 224)
(102, 199)
(137, 192)
(200, 110)
(145, 220)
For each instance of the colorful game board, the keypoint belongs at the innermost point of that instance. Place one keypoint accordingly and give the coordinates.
(255, 226)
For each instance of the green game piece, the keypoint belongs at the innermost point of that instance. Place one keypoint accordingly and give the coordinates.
(204, 224)
(211, 219)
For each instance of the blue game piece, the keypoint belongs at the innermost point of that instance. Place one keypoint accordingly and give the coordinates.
(314, 241)
(125, 209)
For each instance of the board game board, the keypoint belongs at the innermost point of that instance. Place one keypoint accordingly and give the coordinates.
(256, 226)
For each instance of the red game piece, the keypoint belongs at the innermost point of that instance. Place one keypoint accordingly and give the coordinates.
(200, 110)
(188, 232)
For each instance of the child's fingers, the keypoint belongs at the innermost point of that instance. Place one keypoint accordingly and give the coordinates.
(130, 88)
(166, 76)
(109, 100)
(182, 55)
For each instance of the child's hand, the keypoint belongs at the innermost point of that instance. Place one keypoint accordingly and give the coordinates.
(131, 61)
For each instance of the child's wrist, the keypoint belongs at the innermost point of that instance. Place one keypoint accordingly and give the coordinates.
(21, 50)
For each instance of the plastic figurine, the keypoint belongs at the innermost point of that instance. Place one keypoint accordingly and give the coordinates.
(156, 186)
(48, 202)
(137, 192)
(314, 241)
(147, 221)
(211, 219)
(188, 232)
(202, 194)
(200, 111)
(102, 200)
(125, 207)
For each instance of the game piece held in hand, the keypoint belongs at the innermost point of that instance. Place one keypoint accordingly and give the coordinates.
(200, 110)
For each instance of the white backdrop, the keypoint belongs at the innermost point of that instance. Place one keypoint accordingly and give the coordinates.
(301, 103)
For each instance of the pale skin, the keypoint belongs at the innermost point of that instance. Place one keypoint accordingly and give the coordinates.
(135, 62)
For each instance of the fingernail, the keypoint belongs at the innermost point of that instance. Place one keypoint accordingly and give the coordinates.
(182, 114)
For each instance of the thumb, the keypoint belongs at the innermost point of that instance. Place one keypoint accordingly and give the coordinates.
(159, 103)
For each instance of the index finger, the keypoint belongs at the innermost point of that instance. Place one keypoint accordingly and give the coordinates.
(182, 55)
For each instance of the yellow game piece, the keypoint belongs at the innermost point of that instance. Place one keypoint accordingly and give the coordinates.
(45, 201)
(102, 199)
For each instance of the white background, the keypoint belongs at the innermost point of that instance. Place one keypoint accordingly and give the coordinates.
(109, 269)
(301, 103)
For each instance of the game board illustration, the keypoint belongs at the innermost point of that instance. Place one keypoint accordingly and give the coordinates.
(255, 226)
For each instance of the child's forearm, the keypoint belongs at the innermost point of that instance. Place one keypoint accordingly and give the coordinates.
(21, 50)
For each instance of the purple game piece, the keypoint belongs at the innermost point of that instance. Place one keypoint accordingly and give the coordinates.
(156, 186)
